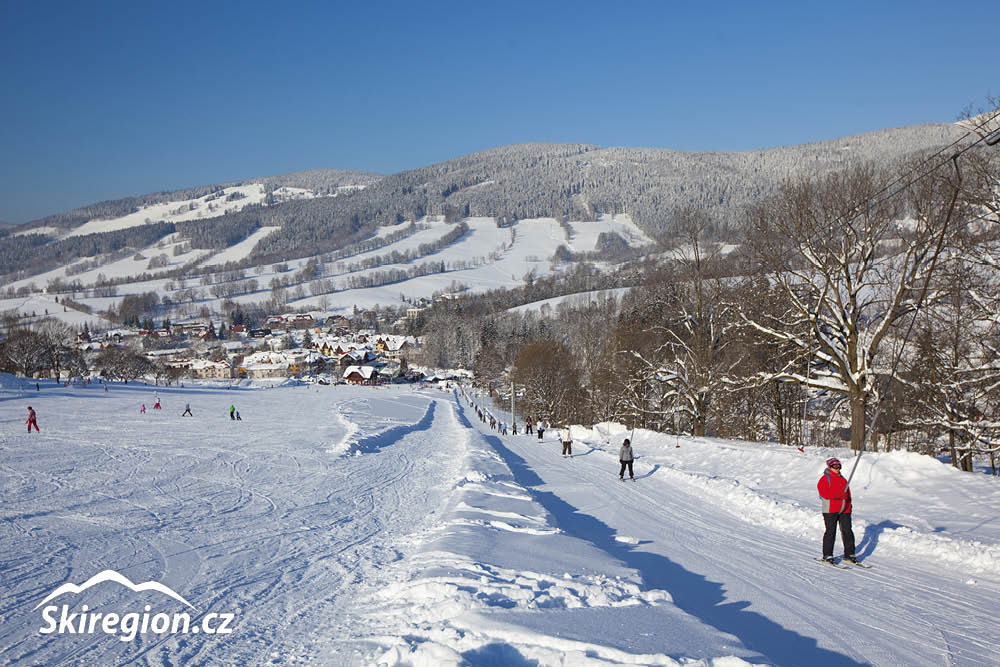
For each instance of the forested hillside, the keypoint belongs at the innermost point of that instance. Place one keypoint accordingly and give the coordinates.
(566, 181)
(581, 181)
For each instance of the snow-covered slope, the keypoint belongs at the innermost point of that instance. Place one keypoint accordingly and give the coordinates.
(351, 526)
(225, 200)
(486, 257)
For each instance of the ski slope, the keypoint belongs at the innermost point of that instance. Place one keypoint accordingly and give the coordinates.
(353, 525)
(487, 257)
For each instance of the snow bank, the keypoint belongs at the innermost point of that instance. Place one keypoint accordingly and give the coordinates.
(442, 595)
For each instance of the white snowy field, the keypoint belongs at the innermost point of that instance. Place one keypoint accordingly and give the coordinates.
(353, 526)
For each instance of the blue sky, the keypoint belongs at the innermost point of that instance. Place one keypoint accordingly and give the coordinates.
(115, 98)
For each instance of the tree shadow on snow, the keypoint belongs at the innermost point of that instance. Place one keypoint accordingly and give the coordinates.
(691, 592)
(589, 451)
(869, 541)
(497, 655)
(650, 473)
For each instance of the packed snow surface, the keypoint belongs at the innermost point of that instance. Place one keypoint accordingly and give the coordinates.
(343, 525)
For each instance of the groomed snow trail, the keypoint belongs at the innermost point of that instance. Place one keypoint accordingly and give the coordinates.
(763, 587)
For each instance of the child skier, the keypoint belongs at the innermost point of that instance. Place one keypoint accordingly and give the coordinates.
(32, 420)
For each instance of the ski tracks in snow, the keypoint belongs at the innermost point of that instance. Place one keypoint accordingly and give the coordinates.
(256, 518)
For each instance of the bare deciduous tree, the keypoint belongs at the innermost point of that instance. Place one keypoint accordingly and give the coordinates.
(851, 263)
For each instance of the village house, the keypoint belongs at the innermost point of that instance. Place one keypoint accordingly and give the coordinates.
(357, 357)
(119, 336)
(305, 361)
(194, 329)
(301, 321)
(165, 355)
(205, 369)
(264, 365)
(338, 322)
(394, 347)
(156, 333)
(361, 375)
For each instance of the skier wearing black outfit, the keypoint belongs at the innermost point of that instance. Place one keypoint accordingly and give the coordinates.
(626, 457)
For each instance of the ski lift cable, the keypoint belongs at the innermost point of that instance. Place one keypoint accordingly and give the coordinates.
(993, 136)
(877, 197)
(885, 190)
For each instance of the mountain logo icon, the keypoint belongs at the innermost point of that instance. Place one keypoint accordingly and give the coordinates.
(111, 575)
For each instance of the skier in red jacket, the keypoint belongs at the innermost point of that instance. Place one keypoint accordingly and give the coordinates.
(836, 498)
(32, 421)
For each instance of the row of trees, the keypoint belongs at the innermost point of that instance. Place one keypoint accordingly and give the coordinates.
(47, 348)
(860, 302)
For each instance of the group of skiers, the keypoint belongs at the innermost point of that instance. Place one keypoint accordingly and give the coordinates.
(156, 406)
(234, 414)
(531, 427)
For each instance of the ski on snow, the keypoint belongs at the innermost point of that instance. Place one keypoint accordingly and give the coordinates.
(841, 565)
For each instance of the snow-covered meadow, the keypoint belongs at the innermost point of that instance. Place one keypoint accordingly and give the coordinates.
(356, 525)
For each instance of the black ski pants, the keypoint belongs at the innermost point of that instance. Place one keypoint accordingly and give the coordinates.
(630, 473)
(830, 536)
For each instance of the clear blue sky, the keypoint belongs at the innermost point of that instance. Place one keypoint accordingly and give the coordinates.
(106, 99)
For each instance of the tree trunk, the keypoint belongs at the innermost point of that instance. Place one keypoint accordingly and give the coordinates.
(779, 415)
(857, 421)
